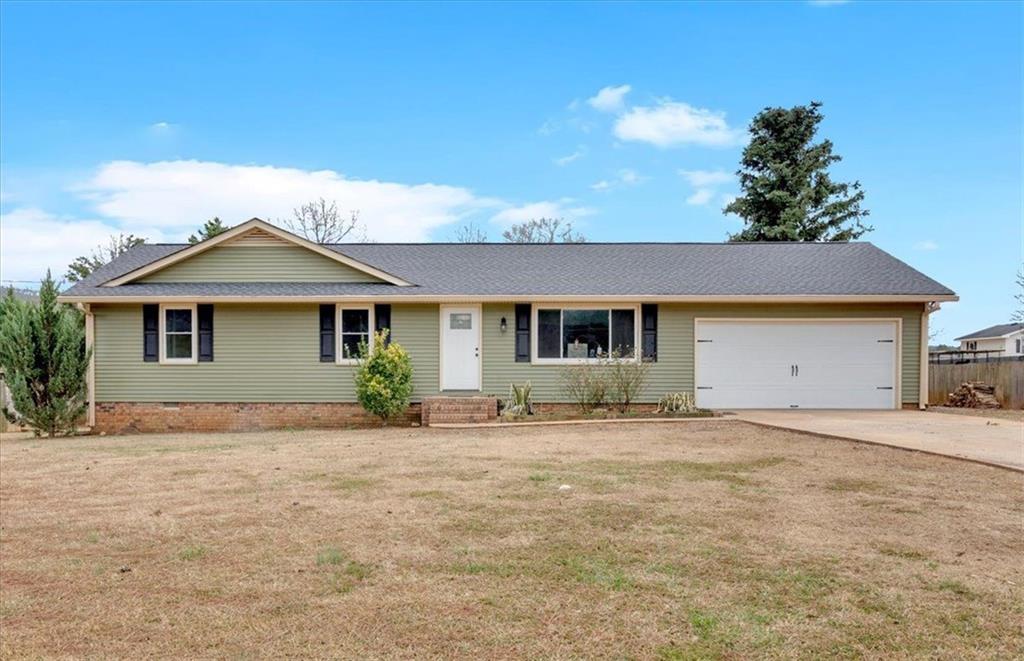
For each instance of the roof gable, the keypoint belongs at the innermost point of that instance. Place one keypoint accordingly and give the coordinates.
(994, 332)
(253, 234)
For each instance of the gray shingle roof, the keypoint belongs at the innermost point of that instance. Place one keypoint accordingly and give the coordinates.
(998, 330)
(588, 269)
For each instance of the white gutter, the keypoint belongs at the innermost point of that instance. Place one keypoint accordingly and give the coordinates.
(923, 389)
(510, 298)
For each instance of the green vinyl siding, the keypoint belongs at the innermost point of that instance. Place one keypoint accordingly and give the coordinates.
(674, 369)
(262, 353)
(275, 263)
(269, 352)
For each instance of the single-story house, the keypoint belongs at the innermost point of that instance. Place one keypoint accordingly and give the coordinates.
(257, 327)
(1008, 339)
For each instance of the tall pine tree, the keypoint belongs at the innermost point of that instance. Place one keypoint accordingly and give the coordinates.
(45, 361)
(788, 194)
(210, 229)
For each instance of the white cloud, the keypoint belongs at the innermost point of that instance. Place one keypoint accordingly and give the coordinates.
(706, 183)
(177, 196)
(609, 99)
(701, 196)
(628, 176)
(548, 127)
(624, 177)
(32, 240)
(566, 160)
(927, 245)
(706, 178)
(671, 124)
(564, 208)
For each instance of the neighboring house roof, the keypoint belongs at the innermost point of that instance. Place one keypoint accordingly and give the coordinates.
(23, 294)
(570, 270)
(993, 332)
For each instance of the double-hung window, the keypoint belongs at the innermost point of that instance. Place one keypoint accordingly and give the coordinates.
(178, 336)
(355, 329)
(579, 334)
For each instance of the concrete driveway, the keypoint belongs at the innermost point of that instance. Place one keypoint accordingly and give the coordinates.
(988, 440)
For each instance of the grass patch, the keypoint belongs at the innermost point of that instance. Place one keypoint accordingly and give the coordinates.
(731, 472)
(430, 494)
(330, 556)
(341, 482)
(596, 570)
(194, 552)
(847, 484)
(956, 587)
(540, 477)
(904, 553)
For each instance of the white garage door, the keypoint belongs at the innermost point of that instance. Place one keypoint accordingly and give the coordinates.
(796, 364)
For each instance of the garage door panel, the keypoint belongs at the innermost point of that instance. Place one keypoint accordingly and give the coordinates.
(796, 364)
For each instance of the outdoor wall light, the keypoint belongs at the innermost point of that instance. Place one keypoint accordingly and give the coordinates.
(504, 325)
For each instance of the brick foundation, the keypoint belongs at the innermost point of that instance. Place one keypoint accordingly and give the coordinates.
(542, 407)
(459, 410)
(147, 417)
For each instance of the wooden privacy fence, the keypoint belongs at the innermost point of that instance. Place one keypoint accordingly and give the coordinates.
(1007, 377)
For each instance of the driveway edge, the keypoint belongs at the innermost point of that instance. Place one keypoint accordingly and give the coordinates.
(879, 443)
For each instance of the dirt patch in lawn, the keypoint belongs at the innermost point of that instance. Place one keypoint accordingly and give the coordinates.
(711, 539)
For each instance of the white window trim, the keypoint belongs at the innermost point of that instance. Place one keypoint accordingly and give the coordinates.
(338, 344)
(164, 360)
(537, 360)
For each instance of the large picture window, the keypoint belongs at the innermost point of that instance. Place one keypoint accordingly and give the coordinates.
(178, 334)
(585, 333)
(354, 326)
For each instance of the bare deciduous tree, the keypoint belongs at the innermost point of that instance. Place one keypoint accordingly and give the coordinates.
(116, 246)
(543, 230)
(470, 233)
(320, 221)
(1018, 314)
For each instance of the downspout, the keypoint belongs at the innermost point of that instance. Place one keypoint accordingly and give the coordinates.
(90, 378)
(922, 395)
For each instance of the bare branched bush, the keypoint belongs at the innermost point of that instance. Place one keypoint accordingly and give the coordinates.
(320, 221)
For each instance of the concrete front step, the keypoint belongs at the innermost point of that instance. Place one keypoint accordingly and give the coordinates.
(459, 410)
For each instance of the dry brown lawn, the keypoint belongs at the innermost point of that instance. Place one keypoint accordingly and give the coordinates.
(708, 538)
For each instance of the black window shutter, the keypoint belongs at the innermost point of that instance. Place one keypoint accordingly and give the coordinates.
(205, 314)
(327, 333)
(151, 333)
(649, 332)
(382, 319)
(522, 332)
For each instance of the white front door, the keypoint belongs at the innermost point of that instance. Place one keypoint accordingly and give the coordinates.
(460, 347)
(841, 364)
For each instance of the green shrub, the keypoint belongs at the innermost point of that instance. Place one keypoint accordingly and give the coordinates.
(519, 401)
(45, 361)
(383, 377)
(677, 402)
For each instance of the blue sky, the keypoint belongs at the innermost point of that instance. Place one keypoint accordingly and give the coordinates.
(151, 118)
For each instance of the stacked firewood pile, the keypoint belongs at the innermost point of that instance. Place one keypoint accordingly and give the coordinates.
(974, 395)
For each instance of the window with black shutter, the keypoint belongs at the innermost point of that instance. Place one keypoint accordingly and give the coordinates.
(327, 333)
(382, 319)
(649, 331)
(522, 332)
(151, 333)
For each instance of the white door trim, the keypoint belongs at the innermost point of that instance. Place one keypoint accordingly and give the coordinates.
(898, 358)
(479, 308)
